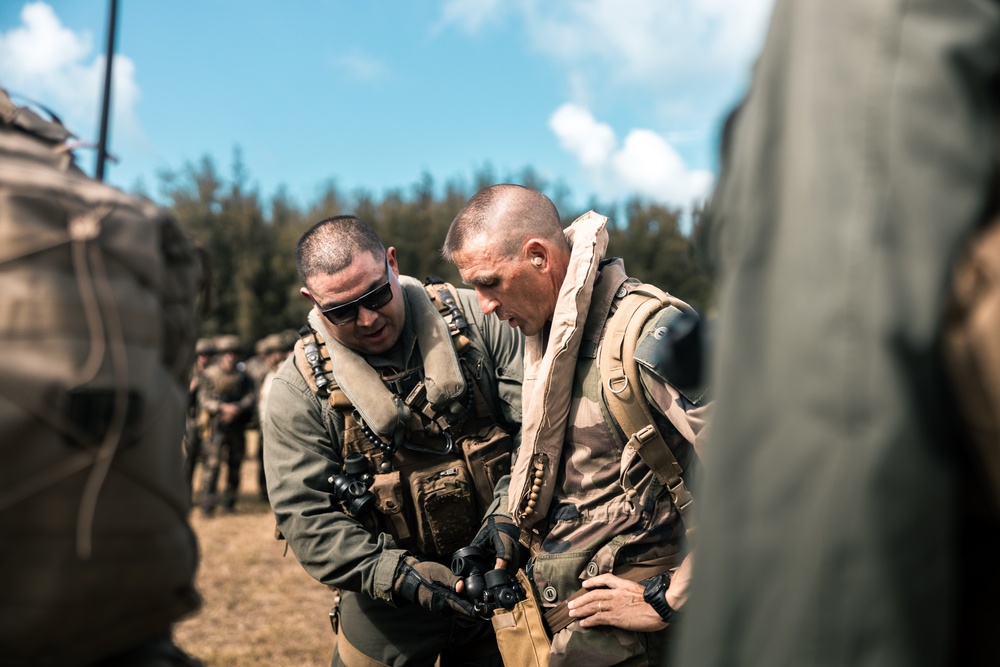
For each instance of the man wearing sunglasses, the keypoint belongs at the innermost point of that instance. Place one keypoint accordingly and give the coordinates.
(387, 438)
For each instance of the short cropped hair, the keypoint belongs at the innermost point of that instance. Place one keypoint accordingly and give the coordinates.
(506, 214)
(329, 246)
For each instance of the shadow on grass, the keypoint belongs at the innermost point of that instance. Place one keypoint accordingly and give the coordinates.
(259, 605)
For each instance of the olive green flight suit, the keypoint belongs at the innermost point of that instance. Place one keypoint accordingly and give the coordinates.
(303, 439)
(837, 523)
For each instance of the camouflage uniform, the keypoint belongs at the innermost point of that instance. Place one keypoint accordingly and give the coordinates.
(303, 439)
(257, 368)
(204, 349)
(226, 441)
(607, 508)
(275, 349)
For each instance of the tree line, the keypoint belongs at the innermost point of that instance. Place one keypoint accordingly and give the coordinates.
(249, 240)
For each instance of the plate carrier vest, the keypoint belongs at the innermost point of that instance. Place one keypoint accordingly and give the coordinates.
(434, 482)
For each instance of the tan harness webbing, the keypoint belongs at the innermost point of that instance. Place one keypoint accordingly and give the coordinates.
(558, 617)
(351, 656)
(625, 400)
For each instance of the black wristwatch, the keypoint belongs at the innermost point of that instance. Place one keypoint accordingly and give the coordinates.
(655, 596)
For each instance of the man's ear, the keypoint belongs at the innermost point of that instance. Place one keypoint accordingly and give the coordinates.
(305, 292)
(536, 252)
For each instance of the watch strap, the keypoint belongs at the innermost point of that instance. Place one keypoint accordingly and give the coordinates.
(655, 596)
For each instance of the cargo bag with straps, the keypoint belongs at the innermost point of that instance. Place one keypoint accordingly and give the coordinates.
(97, 330)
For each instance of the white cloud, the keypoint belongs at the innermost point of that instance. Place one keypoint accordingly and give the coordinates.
(44, 61)
(678, 64)
(470, 15)
(639, 42)
(648, 164)
(42, 46)
(580, 134)
(362, 67)
(645, 164)
(649, 42)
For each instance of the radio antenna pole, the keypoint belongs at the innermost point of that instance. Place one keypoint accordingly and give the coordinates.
(102, 142)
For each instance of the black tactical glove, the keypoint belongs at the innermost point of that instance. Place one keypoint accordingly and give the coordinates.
(432, 586)
(498, 535)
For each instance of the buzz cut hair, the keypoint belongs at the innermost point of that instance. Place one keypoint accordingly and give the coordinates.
(506, 214)
(329, 246)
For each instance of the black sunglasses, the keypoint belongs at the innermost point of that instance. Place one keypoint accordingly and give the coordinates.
(377, 298)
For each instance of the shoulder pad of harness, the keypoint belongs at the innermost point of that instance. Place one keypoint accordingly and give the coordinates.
(670, 347)
(444, 296)
(313, 360)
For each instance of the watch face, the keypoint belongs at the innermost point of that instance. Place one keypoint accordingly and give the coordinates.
(655, 585)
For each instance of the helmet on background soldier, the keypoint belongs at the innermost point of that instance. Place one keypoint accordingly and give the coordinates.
(228, 343)
(205, 346)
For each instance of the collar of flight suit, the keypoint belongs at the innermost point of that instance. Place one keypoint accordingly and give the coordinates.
(549, 366)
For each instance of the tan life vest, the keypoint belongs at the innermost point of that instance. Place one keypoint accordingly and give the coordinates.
(435, 472)
(550, 362)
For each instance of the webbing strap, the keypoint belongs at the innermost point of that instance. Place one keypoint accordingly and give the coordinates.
(626, 402)
(352, 656)
(558, 617)
(65, 318)
(8, 110)
(444, 297)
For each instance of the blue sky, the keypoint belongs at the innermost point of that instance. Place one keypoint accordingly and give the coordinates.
(608, 97)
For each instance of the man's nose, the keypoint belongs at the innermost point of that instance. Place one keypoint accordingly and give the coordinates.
(366, 317)
(487, 303)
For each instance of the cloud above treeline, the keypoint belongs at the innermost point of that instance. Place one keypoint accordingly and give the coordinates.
(683, 56)
(43, 60)
(670, 61)
(644, 163)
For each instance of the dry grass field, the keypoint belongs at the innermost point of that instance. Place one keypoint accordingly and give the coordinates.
(260, 607)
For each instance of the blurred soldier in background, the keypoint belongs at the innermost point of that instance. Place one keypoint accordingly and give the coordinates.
(204, 355)
(846, 518)
(227, 401)
(274, 349)
(256, 367)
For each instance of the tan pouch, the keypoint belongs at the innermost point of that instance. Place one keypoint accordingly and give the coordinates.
(445, 507)
(488, 457)
(520, 631)
(388, 490)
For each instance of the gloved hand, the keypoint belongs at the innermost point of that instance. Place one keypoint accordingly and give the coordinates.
(432, 586)
(498, 536)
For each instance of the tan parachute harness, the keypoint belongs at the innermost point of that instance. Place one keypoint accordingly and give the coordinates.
(623, 395)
